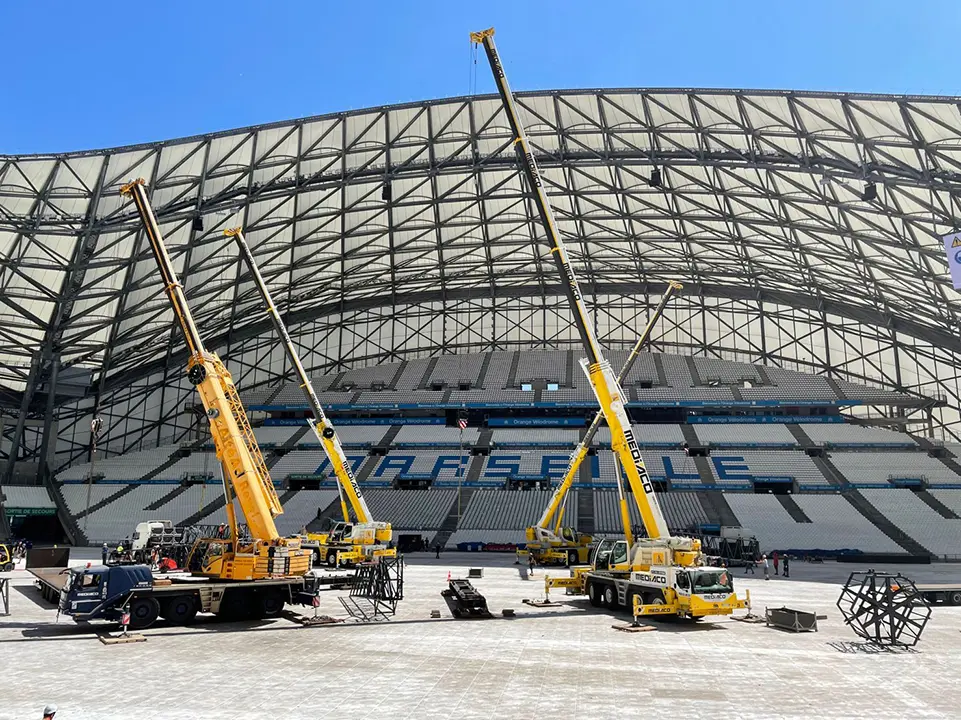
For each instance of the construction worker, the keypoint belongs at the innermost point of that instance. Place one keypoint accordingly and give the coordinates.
(119, 553)
(767, 567)
(49, 711)
(104, 552)
(774, 559)
(530, 563)
(787, 566)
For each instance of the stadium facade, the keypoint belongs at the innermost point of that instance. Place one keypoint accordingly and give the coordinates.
(805, 226)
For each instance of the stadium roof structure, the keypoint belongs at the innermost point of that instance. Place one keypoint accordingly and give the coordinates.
(406, 230)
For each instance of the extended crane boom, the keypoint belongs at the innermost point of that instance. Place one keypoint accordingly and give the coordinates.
(580, 452)
(321, 425)
(605, 384)
(245, 472)
(347, 543)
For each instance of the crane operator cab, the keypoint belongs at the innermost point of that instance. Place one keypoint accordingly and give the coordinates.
(206, 553)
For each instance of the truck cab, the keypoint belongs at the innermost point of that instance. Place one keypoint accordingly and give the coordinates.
(101, 591)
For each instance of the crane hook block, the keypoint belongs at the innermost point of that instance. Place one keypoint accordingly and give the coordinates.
(328, 433)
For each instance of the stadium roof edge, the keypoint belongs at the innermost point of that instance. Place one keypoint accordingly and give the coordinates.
(827, 95)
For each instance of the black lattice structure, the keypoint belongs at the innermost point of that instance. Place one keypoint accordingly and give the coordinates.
(805, 226)
(884, 609)
(376, 589)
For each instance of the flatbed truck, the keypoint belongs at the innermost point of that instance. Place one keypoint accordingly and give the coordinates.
(106, 592)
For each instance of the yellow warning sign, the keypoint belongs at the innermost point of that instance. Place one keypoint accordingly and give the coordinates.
(956, 243)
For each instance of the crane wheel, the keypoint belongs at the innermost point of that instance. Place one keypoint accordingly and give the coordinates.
(7, 567)
(572, 557)
(331, 558)
(270, 603)
(955, 598)
(610, 597)
(143, 612)
(179, 610)
(594, 593)
(235, 605)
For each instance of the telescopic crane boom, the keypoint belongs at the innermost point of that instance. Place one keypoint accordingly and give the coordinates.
(554, 544)
(660, 575)
(245, 472)
(605, 384)
(366, 535)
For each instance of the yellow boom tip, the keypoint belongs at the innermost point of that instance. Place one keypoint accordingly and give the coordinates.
(478, 37)
(128, 188)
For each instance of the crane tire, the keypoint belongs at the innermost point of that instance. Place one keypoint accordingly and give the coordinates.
(594, 593)
(143, 612)
(955, 598)
(572, 557)
(270, 603)
(179, 610)
(8, 567)
(331, 558)
(610, 597)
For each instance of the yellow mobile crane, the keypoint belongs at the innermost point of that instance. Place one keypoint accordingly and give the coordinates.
(564, 545)
(660, 574)
(268, 555)
(348, 542)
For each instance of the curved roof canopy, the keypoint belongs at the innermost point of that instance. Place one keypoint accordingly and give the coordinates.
(761, 196)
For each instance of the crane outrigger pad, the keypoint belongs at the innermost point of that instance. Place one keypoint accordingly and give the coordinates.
(541, 603)
(631, 628)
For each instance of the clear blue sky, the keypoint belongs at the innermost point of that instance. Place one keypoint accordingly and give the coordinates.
(83, 75)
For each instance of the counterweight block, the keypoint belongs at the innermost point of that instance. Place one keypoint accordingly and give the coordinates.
(884, 609)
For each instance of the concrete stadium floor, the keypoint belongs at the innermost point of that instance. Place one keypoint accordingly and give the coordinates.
(545, 663)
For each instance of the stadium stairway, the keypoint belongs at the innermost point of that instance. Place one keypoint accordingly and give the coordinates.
(690, 437)
(949, 462)
(803, 440)
(175, 457)
(512, 375)
(482, 373)
(659, 369)
(392, 432)
(107, 500)
(368, 467)
(585, 510)
(836, 478)
(585, 496)
(762, 373)
(717, 509)
(74, 533)
(861, 504)
(836, 388)
(792, 508)
(449, 525)
(287, 496)
(569, 369)
(831, 474)
(330, 513)
(401, 366)
(425, 378)
(695, 375)
(164, 499)
(203, 512)
(939, 507)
